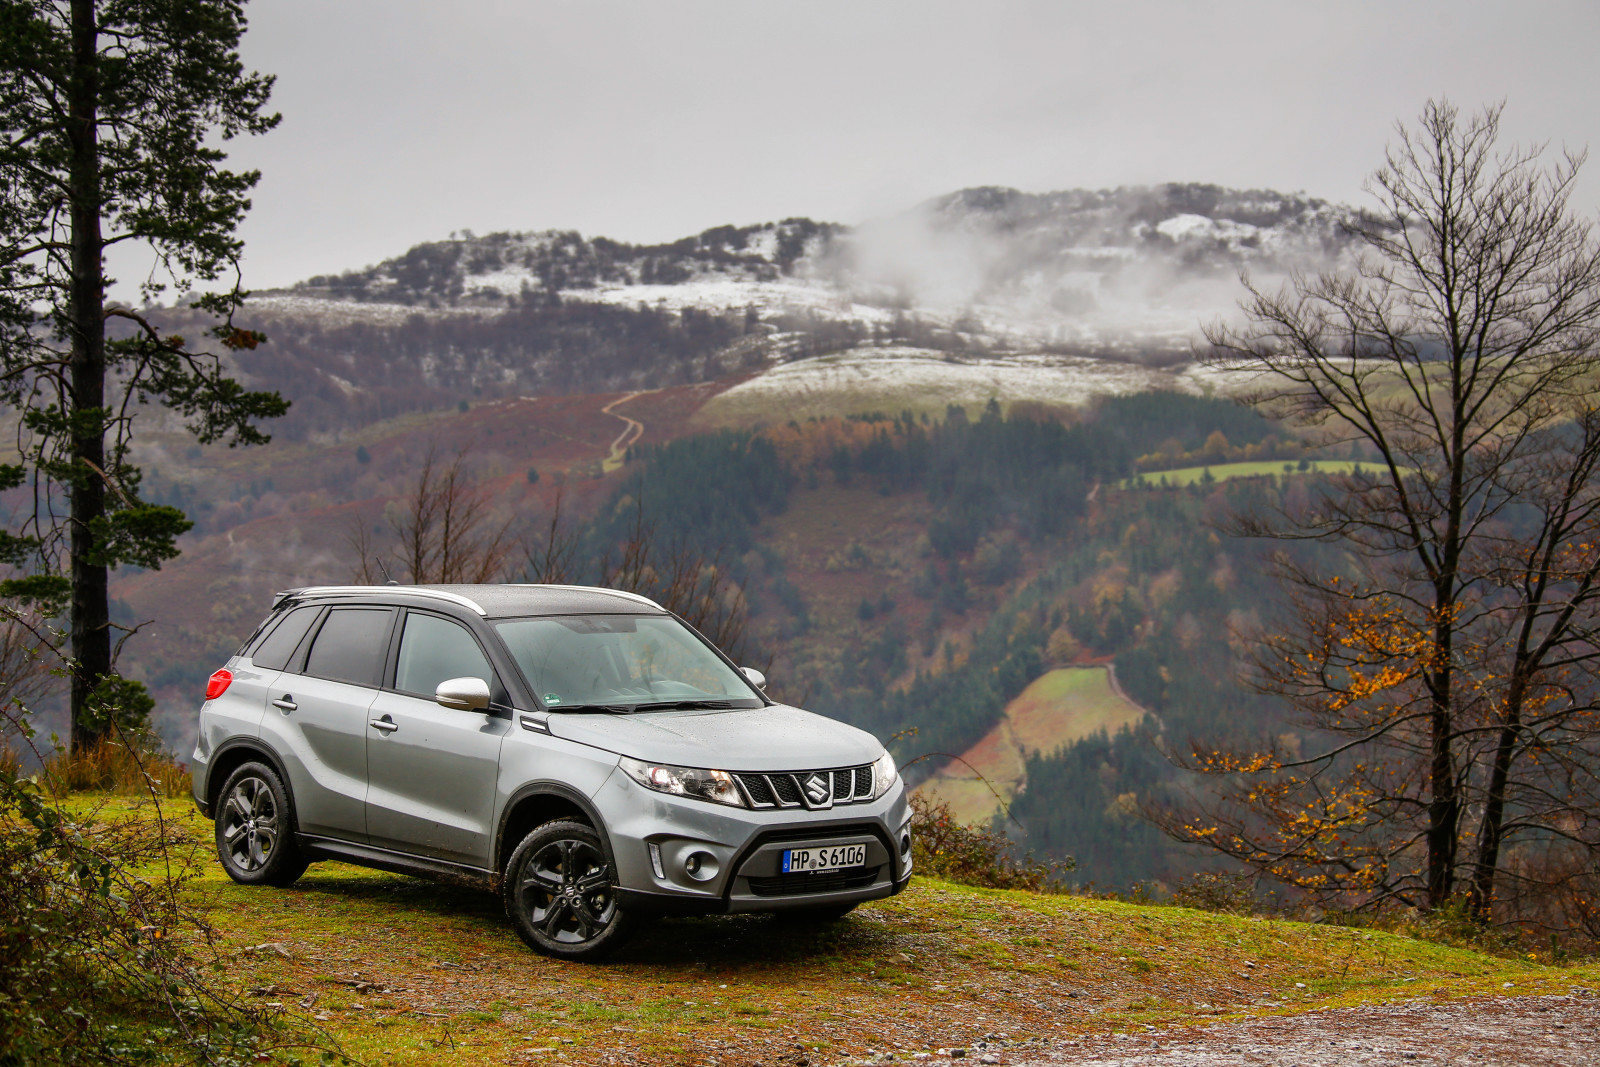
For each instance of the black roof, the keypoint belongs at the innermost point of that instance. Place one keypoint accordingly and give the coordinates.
(496, 601)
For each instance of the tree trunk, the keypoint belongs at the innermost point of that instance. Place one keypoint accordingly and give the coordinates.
(1443, 804)
(91, 633)
(1486, 865)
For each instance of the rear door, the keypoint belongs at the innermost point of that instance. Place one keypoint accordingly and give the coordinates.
(432, 771)
(317, 719)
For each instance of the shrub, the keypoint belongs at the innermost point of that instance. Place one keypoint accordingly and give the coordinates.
(101, 960)
(1229, 892)
(973, 855)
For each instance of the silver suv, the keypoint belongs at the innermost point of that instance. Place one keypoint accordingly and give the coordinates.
(581, 751)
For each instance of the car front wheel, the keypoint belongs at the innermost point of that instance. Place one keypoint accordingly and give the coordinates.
(560, 892)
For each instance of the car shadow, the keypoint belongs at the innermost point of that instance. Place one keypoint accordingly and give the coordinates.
(714, 941)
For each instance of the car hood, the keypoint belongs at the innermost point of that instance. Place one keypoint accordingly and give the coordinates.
(774, 738)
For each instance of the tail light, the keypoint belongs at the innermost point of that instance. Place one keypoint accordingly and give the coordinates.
(218, 684)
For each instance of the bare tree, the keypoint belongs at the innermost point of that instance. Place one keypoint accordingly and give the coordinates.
(1448, 657)
(445, 533)
(28, 659)
(692, 585)
(555, 562)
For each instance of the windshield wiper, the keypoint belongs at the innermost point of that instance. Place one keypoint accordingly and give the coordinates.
(685, 705)
(607, 709)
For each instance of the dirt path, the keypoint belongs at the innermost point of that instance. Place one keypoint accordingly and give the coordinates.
(1481, 1032)
(630, 434)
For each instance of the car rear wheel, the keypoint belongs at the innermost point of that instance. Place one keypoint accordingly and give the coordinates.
(560, 893)
(255, 829)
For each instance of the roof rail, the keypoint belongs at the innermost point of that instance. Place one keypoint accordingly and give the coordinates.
(594, 589)
(366, 590)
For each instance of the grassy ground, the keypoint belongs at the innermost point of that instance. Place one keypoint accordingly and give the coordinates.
(1223, 471)
(402, 971)
(1059, 707)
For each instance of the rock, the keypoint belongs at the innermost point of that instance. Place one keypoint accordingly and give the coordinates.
(988, 1057)
(275, 947)
(958, 1053)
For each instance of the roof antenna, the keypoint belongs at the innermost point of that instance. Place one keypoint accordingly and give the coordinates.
(386, 579)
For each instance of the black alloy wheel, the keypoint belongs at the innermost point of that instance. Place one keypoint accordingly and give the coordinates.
(255, 829)
(560, 892)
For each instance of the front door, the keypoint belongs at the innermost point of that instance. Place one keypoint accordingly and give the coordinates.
(432, 771)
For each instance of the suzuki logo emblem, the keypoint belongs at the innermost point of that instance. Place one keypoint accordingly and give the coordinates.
(818, 787)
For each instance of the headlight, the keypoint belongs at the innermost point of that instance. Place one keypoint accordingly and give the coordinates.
(884, 775)
(716, 786)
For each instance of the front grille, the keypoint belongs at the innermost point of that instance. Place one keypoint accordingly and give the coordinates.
(788, 792)
(848, 785)
(760, 792)
(788, 885)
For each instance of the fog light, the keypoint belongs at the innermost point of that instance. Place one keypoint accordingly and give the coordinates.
(905, 844)
(701, 866)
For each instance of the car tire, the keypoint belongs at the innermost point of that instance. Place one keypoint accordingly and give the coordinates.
(822, 913)
(560, 893)
(255, 829)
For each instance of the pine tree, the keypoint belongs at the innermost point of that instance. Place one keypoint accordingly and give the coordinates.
(110, 114)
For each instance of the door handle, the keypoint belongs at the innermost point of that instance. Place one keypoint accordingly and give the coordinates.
(386, 724)
(285, 703)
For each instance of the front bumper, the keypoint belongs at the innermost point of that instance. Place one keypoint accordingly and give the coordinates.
(676, 855)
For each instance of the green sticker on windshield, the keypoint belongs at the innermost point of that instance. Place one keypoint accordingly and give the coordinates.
(551, 698)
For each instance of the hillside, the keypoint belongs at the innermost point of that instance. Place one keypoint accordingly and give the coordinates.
(913, 575)
(412, 972)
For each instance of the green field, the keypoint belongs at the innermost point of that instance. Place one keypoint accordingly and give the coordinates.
(1060, 707)
(406, 972)
(1224, 471)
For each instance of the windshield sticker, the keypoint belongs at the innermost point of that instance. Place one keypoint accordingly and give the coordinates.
(551, 698)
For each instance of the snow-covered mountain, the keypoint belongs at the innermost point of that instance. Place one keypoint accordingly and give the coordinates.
(1125, 269)
(1085, 283)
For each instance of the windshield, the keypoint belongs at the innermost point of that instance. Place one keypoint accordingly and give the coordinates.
(620, 663)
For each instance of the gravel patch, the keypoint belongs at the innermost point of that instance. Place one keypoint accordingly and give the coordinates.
(1550, 1031)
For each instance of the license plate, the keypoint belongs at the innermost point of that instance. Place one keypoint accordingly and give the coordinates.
(830, 858)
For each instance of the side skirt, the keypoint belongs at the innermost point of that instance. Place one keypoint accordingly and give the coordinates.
(327, 848)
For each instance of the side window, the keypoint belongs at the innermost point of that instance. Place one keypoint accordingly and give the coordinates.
(433, 650)
(274, 650)
(350, 646)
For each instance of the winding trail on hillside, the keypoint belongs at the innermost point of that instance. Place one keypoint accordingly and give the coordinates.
(631, 432)
(1477, 1031)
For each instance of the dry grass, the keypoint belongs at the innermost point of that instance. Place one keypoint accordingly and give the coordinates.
(131, 768)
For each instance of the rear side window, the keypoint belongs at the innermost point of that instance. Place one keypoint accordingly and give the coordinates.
(433, 650)
(350, 646)
(275, 649)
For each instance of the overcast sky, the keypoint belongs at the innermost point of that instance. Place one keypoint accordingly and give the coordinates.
(404, 120)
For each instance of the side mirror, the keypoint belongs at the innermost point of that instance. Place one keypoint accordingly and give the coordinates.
(754, 677)
(463, 694)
